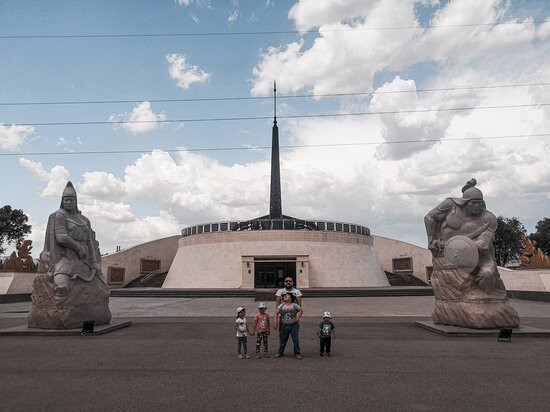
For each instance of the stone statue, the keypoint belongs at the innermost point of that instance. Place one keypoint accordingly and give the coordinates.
(73, 289)
(467, 286)
(21, 261)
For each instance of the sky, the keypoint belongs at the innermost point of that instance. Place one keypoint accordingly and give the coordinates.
(377, 151)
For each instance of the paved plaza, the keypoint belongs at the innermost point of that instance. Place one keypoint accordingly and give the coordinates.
(180, 354)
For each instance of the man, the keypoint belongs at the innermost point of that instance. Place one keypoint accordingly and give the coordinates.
(289, 288)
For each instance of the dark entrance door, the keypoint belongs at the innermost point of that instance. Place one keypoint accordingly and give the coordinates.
(271, 274)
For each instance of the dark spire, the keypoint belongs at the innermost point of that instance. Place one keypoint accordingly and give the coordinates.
(274, 102)
(275, 208)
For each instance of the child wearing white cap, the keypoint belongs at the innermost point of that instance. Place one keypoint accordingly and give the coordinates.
(242, 328)
(261, 329)
(325, 332)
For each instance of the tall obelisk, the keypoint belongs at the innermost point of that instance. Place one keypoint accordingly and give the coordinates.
(275, 208)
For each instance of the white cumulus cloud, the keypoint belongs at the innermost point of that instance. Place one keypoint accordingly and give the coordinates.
(14, 136)
(186, 74)
(349, 50)
(141, 120)
(233, 16)
(55, 179)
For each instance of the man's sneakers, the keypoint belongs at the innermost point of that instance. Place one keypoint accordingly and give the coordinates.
(297, 356)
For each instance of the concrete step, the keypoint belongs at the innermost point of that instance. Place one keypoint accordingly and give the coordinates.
(268, 295)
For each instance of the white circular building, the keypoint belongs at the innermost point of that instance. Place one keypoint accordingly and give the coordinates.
(260, 253)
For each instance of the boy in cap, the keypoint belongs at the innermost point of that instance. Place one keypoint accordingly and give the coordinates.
(326, 330)
(261, 329)
(242, 328)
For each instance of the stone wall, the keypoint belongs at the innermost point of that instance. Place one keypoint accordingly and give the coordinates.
(388, 249)
(131, 259)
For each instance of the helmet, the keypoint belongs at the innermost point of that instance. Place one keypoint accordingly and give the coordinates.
(469, 191)
(69, 191)
(240, 309)
(327, 315)
(472, 193)
(262, 305)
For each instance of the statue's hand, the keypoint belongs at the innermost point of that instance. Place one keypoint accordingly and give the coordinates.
(81, 253)
(97, 267)
(481, 245)
(435, 246)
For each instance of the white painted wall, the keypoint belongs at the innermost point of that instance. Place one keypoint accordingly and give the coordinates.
(214, 260)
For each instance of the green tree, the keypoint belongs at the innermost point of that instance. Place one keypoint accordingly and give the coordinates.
(507, 241)
(542, 235)
(13, 226)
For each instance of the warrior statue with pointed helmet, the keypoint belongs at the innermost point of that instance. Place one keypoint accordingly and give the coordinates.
(70, 249)
(468, 289)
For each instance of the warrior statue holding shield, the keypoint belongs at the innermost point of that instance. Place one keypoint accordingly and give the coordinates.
(468, 289)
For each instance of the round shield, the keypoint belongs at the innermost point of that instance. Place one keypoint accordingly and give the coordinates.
(462, 252)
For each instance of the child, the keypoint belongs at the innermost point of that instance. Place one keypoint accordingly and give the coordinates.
(242, 328)
(326, 329)
(261, 329)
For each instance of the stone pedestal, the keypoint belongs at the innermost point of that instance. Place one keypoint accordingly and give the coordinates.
(459, 302)
(86, 301)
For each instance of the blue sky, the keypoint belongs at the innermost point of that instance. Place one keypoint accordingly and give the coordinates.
(135, 197)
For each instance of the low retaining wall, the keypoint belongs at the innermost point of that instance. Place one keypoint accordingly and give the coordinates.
(16, 282)
(535, 280)
(529, 295)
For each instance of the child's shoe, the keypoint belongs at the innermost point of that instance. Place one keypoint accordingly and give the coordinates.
(322, 354)
(266, 355)
(258, 356)
(328, 355)
(246, 357)
(241, 356)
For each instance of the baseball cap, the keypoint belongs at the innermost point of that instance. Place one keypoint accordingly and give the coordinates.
(262, 305)
(327, 315)
(240, 309)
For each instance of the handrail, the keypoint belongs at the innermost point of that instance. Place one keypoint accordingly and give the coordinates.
(276, 224)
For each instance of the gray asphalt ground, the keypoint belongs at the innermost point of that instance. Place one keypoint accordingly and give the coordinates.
(174, 357)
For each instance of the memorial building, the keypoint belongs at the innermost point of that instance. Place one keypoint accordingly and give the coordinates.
(261, 252)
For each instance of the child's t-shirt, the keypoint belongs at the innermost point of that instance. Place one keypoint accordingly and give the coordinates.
(241, 327)
(326, 329)
(262, 322)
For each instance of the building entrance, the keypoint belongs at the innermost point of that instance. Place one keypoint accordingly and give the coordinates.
(271, 274)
